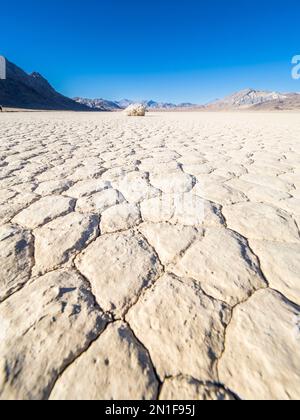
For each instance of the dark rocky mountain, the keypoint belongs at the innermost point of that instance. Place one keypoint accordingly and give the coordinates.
(32, 91)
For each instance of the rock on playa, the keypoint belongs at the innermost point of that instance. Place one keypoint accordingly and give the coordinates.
(136, 110)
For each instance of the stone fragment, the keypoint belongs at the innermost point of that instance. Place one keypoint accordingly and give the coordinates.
(261, 361)
(267, 181)
(113, 175)
(230, 170)
(169, 240)
(185, 209)
(86, 188)
(55, 321)
(135, 187)
(44, 210)
(291, 206)
(263, 169)
(241, 185)
(58, 241)
(53, 187)
(223, 265)
(159, 209)
(296, 193)
(267, 195)
(280, 262)
(192, 160)
(293, 178)
(151, 165)
(219, 193)
(261, 221)
(198, 169)
(121, 217)
(172, 182)
(119, 267)
(16, 259)
(181, 327)
(99, 202)
(11, 206)
(116, 367)
(87, 172)
(6, 195)
(188, 389)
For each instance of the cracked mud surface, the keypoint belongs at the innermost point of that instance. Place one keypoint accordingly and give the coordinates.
(150, 258)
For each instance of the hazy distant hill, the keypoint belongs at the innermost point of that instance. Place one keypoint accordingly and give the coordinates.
(167, 105)
(256, 100)
(291, 101)
(105, 105)
(124, 103)
(247, 99)
(99, 104)
(32, 91)
(159, 105)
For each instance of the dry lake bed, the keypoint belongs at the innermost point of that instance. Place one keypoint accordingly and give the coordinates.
(150, 258)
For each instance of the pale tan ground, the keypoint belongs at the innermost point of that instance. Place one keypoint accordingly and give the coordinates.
(148, 258)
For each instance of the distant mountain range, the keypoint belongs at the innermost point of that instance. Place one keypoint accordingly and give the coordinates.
(252, 99)
(33, 91)
(105, 105)
(99, 104)
(167, 105)
(247, 99)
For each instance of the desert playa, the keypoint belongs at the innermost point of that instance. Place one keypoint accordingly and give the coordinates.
(149, 258)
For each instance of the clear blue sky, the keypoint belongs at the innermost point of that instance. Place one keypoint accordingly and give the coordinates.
(171, 50)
